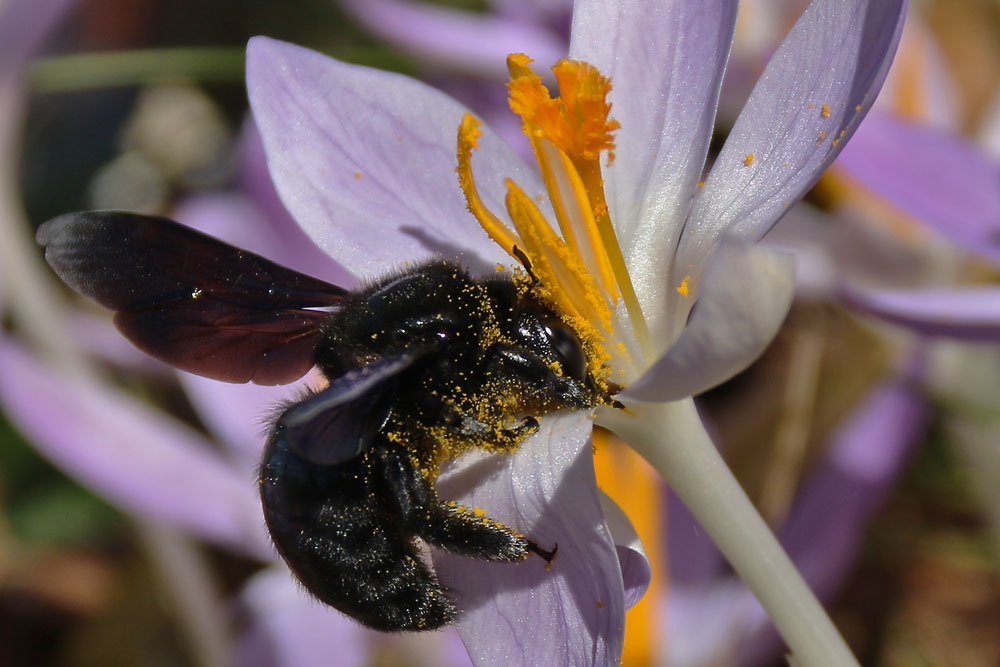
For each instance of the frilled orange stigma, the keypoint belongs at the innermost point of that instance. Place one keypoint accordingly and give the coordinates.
(578, 122)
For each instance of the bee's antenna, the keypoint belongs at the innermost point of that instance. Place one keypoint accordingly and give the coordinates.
(526, 263)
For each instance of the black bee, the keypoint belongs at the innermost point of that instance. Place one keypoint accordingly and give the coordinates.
(421, 366)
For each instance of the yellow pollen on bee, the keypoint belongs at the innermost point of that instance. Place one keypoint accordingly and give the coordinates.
(825, 111)
(683, 288)
(748, 159)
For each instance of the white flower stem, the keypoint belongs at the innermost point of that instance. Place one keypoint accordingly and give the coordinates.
(673, 439)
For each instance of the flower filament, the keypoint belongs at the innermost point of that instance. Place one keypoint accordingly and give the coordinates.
(582, 272)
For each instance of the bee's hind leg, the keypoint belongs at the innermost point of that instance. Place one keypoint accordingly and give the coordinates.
(448, 525)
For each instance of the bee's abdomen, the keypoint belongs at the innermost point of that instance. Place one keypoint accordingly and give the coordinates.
(333, 527)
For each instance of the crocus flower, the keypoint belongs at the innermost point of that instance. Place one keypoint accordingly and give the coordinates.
(364, 160)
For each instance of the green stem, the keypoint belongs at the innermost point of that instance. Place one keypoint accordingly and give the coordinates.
(673, 439)
(85, 71)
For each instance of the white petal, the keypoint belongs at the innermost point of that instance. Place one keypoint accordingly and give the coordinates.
(815, 90)
(747, 293)
(665, 60)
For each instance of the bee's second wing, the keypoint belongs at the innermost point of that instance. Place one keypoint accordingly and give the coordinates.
(338, 423)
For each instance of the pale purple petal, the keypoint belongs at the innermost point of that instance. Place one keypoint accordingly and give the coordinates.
(23, 25)
(288, 628)
(665, 60)
(365, 160)
(523, 613)
(459, 40)
(297, 250)
(809, 101)
(97, 336)
(239, 414)
(968, 313)
(936, 177)
(636, 571)
(144, 462)
(747, 293)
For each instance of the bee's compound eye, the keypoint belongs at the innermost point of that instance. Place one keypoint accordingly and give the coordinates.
(567, 347)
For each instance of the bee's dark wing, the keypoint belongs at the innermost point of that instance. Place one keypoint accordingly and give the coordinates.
(189, 299)
(339, 422)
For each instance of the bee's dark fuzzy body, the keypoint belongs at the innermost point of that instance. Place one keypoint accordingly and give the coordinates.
(348, 529)
(420, 367)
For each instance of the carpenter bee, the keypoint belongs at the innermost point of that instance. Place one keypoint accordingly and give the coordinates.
(420, 366)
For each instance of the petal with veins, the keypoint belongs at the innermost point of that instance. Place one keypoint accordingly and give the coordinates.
(810, 99)
(365, 161)
(636, 570)
(525, 613)
(666, 62)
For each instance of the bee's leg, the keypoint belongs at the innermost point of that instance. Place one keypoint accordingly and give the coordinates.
(448, 525)
(508, 439)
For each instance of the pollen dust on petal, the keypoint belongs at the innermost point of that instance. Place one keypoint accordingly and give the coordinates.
(748, 159)
(683, 289)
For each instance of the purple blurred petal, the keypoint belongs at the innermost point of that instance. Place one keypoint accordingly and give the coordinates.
(946, 182)
(289, 628)
(968, 313)
(828, 520)
(666, 62)
(810, 99)
(239, 414)
(920, 81)
(522, 613)
(23, 25)
(747, 293)
(822, 534)
(365, 161)
(636, 571)
(458, 40)
(97, 335)
(146, 463)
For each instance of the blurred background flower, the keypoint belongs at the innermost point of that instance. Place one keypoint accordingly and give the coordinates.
(868, 434)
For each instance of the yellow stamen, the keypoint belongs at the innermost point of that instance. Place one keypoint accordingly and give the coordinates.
(571, 204)
(567, 135)
(468, 133)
